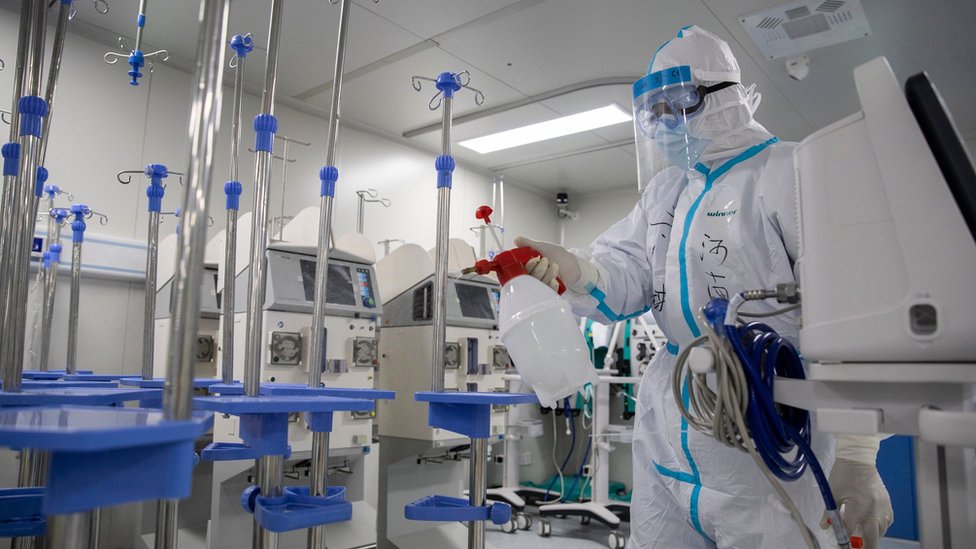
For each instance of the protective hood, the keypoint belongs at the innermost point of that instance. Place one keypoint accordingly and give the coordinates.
(726, 119)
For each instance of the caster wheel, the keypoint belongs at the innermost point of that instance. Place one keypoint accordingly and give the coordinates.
(523, 521)
(510, 527)
(545, 529)
(616, 541)
(584, 520)
(560, 516)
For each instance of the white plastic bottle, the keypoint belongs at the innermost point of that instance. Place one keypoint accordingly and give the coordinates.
(539, 330)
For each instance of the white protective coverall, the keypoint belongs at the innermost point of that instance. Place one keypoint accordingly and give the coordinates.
(726, 226)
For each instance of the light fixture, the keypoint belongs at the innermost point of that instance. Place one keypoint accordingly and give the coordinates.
(550, 129)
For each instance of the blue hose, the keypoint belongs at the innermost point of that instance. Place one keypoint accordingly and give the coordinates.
(586, 456)
(776, 429)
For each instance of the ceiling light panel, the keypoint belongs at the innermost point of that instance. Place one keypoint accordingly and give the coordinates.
(550, 129)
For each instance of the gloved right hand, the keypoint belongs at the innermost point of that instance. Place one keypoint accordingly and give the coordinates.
(556, 261)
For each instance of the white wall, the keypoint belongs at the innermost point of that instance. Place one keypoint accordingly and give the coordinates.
(100, 126)
(597, 212)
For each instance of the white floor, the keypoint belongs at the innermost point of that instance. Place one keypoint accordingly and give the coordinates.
(569, 534)
(566, 533)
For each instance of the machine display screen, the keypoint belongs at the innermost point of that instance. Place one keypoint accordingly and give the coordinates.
(339, 290)
(475, 301)
(365, 288)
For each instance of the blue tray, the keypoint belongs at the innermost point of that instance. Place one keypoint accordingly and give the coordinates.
(62, 384)
(49, 374)
(159, 383)
(297, 389)
(468, 413)
(20, 512)
(106, 456)
(81, 396)
(295, 509)
(239, 405)
(96, 377)
(448, 509)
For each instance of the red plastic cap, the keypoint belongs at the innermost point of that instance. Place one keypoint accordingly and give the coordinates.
(484, 212)
(857, 543)
(510, 264)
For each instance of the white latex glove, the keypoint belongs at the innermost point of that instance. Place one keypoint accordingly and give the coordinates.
(859, 490)
(557, 261)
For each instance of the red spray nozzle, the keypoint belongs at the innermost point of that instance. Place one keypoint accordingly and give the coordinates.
(509, 264)
(484, 212)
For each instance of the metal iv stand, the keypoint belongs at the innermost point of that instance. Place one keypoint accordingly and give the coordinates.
(97, 439)
(242, 45)
(191, 240)
(268, 467)
(154, 194)
(285, 160)
(371, 196)
(329, 175)
(466, 413)
(78, 227)
(496, 230)
(49, 268)
(136, 57)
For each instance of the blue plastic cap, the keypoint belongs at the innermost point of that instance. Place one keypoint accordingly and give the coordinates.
(265, 127)
(136, 60)
(78, 229)
(444, 164)
(32, 110)
(42, 175)
(141, 20)
(55, 253)
(51, 190)
(155, 192)
(329, 175)
(242, 45)
(448, 83)
(11, 156)
(233, 190)
(46, 260)
(59, 214)
(156, 171)
(714, 312)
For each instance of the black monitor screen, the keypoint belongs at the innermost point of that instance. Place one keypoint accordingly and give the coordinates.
(338, 292)
(475, 301)
(950, 154)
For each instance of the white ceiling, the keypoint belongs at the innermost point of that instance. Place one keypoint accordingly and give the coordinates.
(516, 49)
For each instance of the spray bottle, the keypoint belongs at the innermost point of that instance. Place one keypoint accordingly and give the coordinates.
(539, 330)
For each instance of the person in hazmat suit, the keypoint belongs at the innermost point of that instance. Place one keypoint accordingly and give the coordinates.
(716, 217)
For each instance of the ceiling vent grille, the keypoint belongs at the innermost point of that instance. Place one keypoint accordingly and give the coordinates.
(799, 27)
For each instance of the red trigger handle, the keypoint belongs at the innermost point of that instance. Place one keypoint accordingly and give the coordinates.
(511, 263)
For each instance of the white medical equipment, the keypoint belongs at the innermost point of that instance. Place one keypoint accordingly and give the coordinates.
(416, 459)
(887, 202)
(351, 327)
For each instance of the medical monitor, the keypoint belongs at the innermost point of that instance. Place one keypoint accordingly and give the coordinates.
(947, 146)
(887, 250)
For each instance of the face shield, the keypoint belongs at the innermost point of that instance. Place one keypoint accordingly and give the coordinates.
(664, 103)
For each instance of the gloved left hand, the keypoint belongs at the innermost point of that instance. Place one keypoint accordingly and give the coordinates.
(858, 488)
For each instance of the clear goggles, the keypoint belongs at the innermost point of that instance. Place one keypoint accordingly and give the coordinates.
(668, 96)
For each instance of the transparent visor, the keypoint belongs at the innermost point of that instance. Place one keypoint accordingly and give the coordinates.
(664, 102)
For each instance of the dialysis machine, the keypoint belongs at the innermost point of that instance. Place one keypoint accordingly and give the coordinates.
(351, 361)
(208, 330)
(416, 459)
